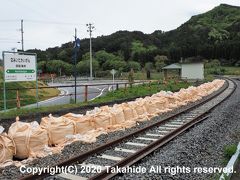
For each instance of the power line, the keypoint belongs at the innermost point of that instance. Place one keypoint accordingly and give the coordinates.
(8, 20)
(53, 22)
(26, 6)
(8, 39)
(8, 42)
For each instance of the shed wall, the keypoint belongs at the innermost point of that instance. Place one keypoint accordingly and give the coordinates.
(193, 71)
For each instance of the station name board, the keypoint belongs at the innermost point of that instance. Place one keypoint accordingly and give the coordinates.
(19, 67)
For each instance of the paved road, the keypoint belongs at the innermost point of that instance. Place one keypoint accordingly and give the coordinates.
(68, 92)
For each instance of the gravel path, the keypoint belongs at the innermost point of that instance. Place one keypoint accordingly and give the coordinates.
(76, 148)
(202, 146)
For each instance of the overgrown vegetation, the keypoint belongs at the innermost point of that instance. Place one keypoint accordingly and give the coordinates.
(228, 152)
(214, 67)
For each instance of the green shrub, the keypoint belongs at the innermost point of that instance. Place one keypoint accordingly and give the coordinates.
(133, 65)
(55, 66)
(83, 67)
(230, 150)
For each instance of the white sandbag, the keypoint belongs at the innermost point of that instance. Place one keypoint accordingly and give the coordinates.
(7, 147)
(90, 137)
(102, 120)
(94, 111)
(116, 127)
(129, 113)
(29, 138)
(58, 128)
(129, 124)
(139, 108)
(118, 114)
(83, 123)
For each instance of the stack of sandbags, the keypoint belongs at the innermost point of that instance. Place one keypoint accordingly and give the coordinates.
(102, 119)
(150, 106)
(121, 117)
(83, 123)
(193, 91)
(89, 137)
(119, 121)
(58, 128)
(161, 103)
(7, 147)
(118, 115)
(94, 111)
(129, 113)
(138, 106)
(108, 118)
(210, 87)
(174, 101)
(30, 139)
(217, 83)
(203, 89)
(187, 95)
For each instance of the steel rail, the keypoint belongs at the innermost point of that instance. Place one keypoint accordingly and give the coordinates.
(149, 149)
(140, 154)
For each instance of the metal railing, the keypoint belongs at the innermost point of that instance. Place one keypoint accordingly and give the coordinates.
(83, 95)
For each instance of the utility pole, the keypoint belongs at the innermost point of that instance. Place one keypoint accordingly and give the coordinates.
(22, 34)
(75, 64)
(90, 29)
(76, 48)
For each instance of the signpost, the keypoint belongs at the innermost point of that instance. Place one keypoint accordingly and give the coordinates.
(19, 66)
(113, 72)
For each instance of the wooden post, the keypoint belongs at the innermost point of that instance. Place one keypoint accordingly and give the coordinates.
(175, 81)
(18, 100)
(149, 84)
(117, 86)
(86, 93)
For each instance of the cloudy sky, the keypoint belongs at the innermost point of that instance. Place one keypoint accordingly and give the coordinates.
(49, 23)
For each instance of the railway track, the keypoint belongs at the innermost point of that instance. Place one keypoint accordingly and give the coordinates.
(103, 161)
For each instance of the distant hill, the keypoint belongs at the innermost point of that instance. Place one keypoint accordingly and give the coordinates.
(214, 34)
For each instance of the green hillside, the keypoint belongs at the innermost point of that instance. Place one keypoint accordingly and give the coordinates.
(211, 35)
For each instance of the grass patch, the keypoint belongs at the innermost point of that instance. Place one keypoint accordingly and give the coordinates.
(228, 151)
(232, 70)
(135, 91)
(222, 70)
(142, 90)
(143, 76)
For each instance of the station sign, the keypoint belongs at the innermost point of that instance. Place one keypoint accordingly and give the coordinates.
(19, 67)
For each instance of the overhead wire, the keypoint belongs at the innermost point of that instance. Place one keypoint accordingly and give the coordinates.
(53, 22)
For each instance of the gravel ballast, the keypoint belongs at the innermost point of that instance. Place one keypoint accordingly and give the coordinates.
(201, 146)
(76, 148)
